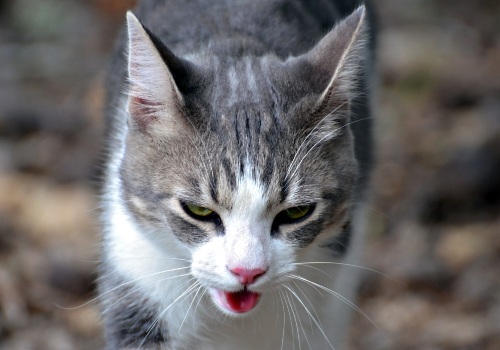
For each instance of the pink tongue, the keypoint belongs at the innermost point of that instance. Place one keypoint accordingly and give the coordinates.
(242, 301)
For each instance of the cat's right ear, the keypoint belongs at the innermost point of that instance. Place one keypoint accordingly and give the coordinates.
(154, 100)
(339, 57)
(334, 66)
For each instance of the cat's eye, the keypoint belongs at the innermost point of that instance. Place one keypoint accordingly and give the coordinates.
(201, 213)
(296, 213)
(197, 211)
(293, 214)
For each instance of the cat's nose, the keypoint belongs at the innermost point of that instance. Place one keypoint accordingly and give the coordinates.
(247, 276)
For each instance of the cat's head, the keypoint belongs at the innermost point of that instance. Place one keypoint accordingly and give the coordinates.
(247, 160)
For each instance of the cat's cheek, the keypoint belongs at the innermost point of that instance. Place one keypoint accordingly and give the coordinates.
(209, 265)
(282, 263)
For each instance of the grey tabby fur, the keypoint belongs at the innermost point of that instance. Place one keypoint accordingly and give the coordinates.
(247, 90)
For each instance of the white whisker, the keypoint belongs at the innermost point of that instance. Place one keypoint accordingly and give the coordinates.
(321, 140)
(312, 318)
(191, 304)
(156, 320)
(198, 303)
(121, 286)
(310, 303)
(341, 297)
(284, 319)
(300, 322)
(309, 135)
(108, 308)
(294, 319)
(345, 264)
(290, 319)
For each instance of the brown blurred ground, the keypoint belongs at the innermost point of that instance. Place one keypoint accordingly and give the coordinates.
(434, 220)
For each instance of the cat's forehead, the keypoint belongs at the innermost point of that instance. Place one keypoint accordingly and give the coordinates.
(228, 84)
(252, 116)
(244, 80)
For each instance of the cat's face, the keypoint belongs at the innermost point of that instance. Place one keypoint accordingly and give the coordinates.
(246, 161)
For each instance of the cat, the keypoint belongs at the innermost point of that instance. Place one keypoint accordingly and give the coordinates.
(239, 149)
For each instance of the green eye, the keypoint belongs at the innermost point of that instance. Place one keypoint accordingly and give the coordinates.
(296, 213)
(197, 210)
(293, 215)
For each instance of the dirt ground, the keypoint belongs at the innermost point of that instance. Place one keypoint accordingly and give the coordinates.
(434, 223)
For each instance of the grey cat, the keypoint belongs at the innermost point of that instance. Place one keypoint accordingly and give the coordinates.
(239, 151)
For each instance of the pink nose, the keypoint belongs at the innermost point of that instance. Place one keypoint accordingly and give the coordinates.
(246, 276)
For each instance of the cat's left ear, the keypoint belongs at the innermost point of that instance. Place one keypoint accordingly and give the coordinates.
(336, 62)
(155, 100)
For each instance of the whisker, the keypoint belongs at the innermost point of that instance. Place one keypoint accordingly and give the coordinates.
(310, 134)
(341, 297)
(319, 141)
(315, 268)
(346, 264)
(312, 286)
(300, 322)
(156, 320)
(138, 289)
(290, 318)
(198, 303)
(93, 209)
(290, 166)
(310, 303)
(140, 258)
(312, 318)
(191, 304)
(284, 319)
(360, 93)
(295, 319)
(120, 286)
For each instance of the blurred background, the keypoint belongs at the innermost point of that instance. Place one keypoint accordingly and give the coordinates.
(434, 223)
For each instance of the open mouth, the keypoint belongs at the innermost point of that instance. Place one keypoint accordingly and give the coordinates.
(238, 302)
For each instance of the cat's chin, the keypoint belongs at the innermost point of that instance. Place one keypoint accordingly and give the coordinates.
(235, 302)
